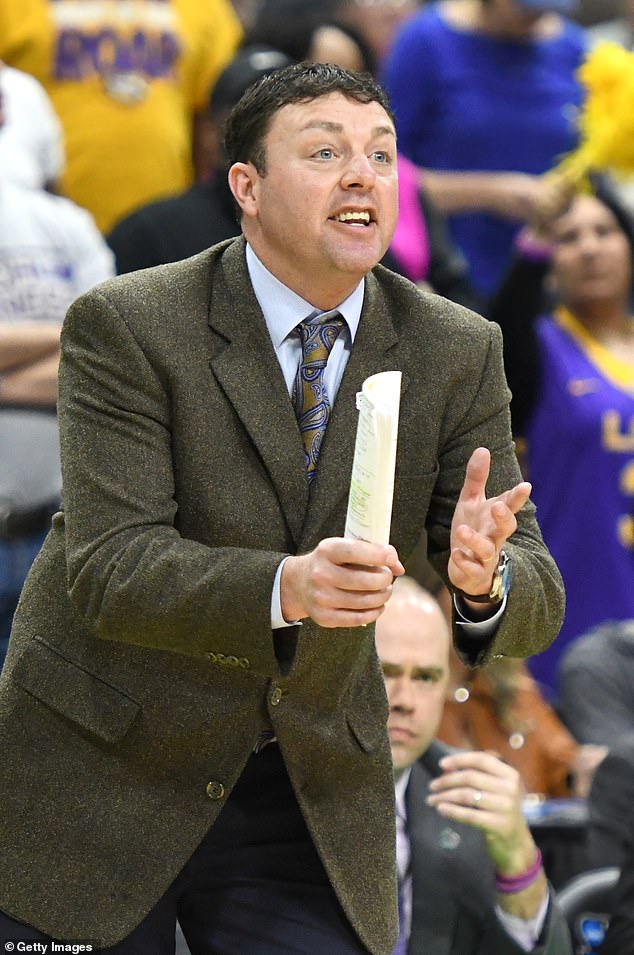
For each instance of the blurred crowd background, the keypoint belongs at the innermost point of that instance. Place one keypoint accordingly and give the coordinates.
(111, 160)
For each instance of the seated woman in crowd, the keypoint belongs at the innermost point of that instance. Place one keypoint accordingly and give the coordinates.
(499, 708)
(570, 366)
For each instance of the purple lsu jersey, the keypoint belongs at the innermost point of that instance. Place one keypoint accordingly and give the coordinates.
(580, 460)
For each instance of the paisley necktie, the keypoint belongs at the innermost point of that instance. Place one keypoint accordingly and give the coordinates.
(318, 334)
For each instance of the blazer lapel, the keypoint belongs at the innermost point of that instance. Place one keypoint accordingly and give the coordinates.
(371, 353)
(248, 371)
(432, 840)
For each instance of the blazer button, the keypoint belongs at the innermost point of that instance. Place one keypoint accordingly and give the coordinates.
(215, 790)
(276, 695)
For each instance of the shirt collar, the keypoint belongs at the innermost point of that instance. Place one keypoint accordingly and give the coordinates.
(400, 789)
(283, 309)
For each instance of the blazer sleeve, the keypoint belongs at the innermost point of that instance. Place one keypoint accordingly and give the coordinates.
(131, 575)
(478, 415)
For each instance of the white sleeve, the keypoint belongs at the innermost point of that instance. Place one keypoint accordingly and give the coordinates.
(93, 260)
(32, 144)
(477, 628)
(524, 932)
(51, 138)
(277, 620)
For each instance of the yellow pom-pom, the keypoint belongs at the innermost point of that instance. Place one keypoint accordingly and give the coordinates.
(606, 122)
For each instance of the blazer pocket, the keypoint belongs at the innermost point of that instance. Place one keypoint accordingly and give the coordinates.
(367, 712)
(369, 735)
(74, 692)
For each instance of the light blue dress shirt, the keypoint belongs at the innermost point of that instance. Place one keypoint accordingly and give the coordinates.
(283, 310)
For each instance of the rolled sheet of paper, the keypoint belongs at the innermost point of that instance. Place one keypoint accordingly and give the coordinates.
(372, 482)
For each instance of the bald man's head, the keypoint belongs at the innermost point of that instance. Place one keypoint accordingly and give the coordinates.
(413, 641)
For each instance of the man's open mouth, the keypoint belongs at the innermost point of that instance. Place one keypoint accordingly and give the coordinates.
(355, 218)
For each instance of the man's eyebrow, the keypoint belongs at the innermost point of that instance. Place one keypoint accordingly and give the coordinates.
(435, 672)
(331, 127)
(384, 131)
(391, 669)
(323, 124)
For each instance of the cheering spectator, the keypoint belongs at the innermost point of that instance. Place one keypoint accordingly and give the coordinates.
(571, 371)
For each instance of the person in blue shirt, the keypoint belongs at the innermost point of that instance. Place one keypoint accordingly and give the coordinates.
(486, 99)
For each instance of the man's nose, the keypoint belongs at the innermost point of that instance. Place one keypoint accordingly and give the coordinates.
(402, 694)
(359, 173)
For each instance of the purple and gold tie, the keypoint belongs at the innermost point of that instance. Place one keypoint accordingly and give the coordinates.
(318, 334)
(401, 944)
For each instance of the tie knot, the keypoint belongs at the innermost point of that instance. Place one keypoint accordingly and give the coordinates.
(319, 332)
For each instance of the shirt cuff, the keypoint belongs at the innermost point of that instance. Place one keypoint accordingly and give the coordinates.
(524, 932)
(477, 628)
(277, 620)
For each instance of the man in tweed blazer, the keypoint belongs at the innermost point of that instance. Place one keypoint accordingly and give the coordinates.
(143, 665)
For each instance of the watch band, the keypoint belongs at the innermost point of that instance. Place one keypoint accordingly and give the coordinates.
(499, 586)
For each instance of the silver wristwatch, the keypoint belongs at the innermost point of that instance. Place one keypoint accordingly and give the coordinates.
(499, 586)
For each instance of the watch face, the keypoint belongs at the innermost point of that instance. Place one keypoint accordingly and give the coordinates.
(500, 585)
(502, 579)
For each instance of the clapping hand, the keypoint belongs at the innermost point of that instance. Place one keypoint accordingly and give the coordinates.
(481, 526)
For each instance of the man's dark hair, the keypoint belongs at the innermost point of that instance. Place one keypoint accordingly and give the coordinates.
(250, 120)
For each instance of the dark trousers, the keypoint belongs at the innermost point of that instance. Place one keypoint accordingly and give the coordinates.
(255, 885)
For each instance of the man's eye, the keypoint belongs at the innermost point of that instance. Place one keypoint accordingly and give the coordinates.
(325, 153)
(380, 156)
(428, 678)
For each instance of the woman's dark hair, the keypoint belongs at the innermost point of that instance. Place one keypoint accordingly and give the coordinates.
(604, 190)
(249, 121)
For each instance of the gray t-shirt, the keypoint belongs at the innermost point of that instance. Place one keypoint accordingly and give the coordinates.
(596, 699)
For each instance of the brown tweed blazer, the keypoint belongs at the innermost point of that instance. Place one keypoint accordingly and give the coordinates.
(142, 664)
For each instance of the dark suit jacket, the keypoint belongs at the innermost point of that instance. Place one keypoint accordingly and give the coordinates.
(142, 665)
(610, 800)
(453, 883)
(619, 939)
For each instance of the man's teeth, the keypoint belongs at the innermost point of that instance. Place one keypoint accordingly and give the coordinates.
(354, 217)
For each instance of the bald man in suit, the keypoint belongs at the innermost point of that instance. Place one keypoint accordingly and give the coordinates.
(470, 874)
(195, 597)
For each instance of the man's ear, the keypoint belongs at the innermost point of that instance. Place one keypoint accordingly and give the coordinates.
(243, 177)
